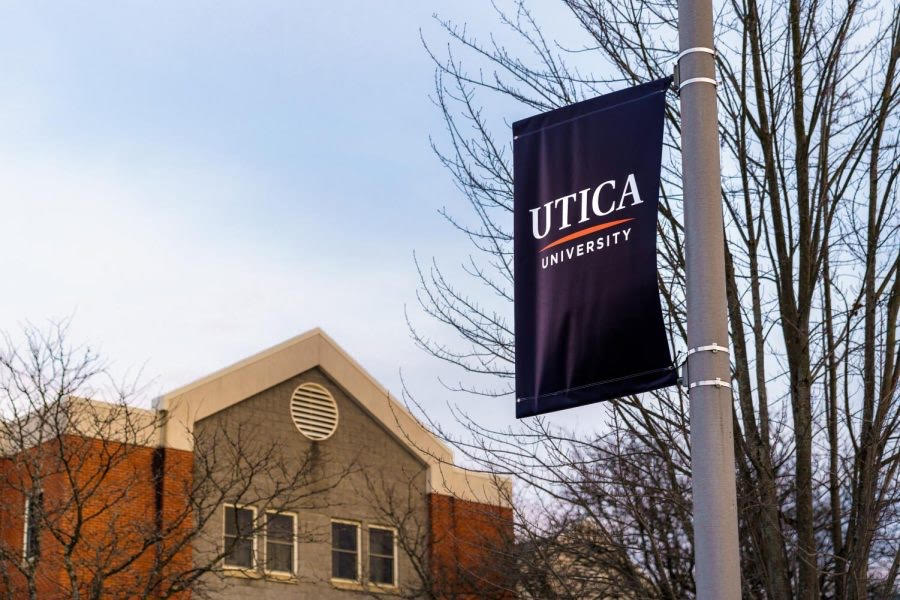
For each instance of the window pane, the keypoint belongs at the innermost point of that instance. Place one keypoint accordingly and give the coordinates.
(381, 541)
(239, 537)
(381, 570)
(230, 527)
(280, 527)
(343, 565)
(241, 554)
(343, 536)
(344, 551)
(280, 557)
(238, 520)
(245, 521)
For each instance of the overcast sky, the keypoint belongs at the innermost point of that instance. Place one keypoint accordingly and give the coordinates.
(193, 182)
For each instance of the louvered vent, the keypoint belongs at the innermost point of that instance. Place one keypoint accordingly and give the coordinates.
(314, 411)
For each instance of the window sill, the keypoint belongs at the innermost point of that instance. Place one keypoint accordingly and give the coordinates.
(372, 588)
(347, 584)
(281, 577)
(241, 573)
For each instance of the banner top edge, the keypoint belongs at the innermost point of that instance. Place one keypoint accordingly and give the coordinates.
(584, 108)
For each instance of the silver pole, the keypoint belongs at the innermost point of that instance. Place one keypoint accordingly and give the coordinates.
(717, 570)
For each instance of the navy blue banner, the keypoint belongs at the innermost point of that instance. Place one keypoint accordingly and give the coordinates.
(588, 319)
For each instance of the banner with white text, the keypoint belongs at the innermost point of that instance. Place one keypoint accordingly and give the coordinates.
(588, 320)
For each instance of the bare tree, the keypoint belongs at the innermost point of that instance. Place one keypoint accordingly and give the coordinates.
(107, 513)
(809, 126)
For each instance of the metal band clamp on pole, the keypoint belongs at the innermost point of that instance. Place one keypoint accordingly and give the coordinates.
(708, 348)
(686, 82)
(717, 382)
(711, 382)
(703, 49)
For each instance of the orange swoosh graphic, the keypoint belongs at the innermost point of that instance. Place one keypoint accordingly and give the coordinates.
(584, 232)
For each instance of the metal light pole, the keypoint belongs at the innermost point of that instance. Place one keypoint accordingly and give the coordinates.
(717, 572)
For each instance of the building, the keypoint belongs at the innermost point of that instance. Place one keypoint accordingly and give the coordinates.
(290, 474)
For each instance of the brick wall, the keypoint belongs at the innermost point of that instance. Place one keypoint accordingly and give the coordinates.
(105, 496)
(470, 545)
(12, 506)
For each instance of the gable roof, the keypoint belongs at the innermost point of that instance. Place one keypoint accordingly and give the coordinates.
(226, 387)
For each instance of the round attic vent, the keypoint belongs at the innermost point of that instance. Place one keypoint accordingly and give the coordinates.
(314, 411)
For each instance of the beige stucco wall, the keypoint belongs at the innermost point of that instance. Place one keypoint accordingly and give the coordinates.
(385, 467)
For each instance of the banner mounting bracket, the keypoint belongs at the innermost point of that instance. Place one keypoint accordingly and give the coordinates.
(710, 382)
(702, 49)
(714, 348)
(676, 71)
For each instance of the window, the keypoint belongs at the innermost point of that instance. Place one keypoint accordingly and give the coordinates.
(240, 539)
(34, 505)
(345, 550)
(382, 556)
(280, 542)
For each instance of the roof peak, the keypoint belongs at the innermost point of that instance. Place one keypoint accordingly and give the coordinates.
(226, 387)
(314, 348)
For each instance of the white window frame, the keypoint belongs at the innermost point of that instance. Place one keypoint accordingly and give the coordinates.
(393, 531)
(29, 498)
(25, 528)
(358, 525)
(254, 560)
(294, 564)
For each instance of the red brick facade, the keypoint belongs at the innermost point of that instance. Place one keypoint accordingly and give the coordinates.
(470, 548)
(103, 500)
